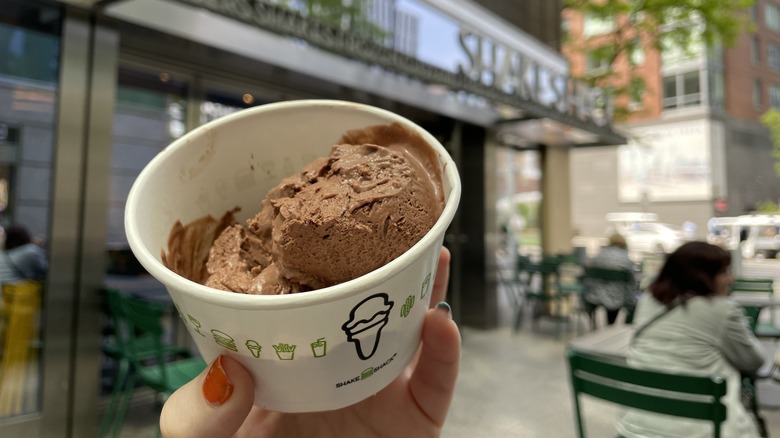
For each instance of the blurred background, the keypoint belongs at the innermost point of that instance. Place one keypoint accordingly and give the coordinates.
(568, 120)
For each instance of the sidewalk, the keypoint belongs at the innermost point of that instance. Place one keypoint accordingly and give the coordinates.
(516, 385)
(510, 385)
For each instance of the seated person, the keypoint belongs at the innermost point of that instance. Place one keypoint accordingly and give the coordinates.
(687, 323)
(611, 296)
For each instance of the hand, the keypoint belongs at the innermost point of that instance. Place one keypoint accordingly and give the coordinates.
(414, 405)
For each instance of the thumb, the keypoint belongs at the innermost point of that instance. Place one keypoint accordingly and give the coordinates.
(213, 405)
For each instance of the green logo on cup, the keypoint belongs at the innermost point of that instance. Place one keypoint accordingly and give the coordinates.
(195, 323)
(224, 340)
(368, 372)
(254, 347)
(285, 351)
(319, 348)
(406, 308)
(425, 284)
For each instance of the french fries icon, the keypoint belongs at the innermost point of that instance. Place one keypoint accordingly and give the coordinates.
(285, 351)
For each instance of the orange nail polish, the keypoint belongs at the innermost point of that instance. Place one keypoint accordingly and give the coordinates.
(217, 387)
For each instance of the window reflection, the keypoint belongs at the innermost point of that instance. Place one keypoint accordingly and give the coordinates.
(29, 68)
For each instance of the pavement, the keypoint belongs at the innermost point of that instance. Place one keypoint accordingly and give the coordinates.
(510, 385)
(515, 384)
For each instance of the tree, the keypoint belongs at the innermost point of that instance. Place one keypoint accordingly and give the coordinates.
(660, 24)
(771, 119)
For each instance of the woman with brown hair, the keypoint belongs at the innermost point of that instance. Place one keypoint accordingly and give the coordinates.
(687, 323)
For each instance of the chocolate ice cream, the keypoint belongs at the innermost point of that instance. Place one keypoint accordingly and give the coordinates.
(342, 216)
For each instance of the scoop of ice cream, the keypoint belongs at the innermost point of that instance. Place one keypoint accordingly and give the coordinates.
(342, 216)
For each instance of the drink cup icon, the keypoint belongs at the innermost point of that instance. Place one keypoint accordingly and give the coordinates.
(319, 348)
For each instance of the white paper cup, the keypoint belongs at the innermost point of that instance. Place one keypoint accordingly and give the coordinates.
(310, 351)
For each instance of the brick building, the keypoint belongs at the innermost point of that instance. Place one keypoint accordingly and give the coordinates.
(695, 132)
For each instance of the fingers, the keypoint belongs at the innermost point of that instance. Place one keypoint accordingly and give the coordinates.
(439, 292)
(433, 382)
(213, 405)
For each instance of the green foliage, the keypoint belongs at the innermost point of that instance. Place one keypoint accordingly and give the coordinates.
(768, 207)
(771, 119)
(659, 24)
(529, 212)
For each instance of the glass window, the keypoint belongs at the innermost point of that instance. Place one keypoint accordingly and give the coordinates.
(758, 94)
(772, 16)
(691, 88)
(716, 88)
(773, 56)
(29, 70)
(518, 193)
(774, 96)
(150, 113)
(755, 50)
(682, 89)
(28, 54)
(670, 91)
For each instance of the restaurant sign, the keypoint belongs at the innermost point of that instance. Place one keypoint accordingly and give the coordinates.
(495, 72)
(516, 73)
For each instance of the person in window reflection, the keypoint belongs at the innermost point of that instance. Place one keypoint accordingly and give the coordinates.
(687, 323)
(21, 259)
(219, 402)
(610, 295)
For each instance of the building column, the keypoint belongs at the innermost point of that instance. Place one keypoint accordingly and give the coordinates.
(471, 289)
(555, 216)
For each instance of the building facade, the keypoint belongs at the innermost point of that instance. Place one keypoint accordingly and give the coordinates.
(90, 91)
(696, 146)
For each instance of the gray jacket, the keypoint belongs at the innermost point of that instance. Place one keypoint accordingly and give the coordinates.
(706, 335)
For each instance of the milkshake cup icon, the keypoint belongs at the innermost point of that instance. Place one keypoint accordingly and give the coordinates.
(365, 324)
(319, 347)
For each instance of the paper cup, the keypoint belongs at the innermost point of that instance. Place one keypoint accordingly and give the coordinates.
(310, 351)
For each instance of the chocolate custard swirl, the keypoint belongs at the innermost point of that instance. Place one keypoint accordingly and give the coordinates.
(342, 216)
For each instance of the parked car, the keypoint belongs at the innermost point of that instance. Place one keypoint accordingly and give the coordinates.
(653, 237)
(755, 235)
(644, 233)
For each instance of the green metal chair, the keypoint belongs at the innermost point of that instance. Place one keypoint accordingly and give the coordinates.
(535, 278)
(603, 276)
(143, 356)
(762, 329)
(680, 395)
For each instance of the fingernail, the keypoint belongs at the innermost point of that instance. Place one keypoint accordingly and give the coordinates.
(442, 305)
(217, 387)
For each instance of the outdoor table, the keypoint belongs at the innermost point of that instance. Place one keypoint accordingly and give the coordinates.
(753, 299)
(614, 341)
